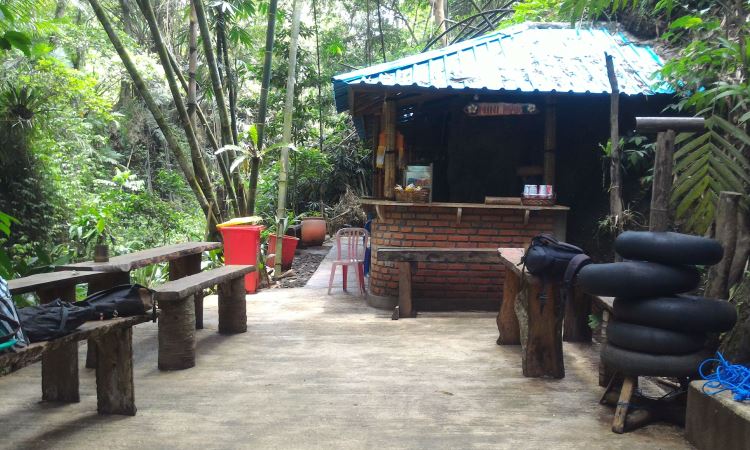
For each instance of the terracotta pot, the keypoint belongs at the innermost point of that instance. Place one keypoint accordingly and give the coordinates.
(313, 231)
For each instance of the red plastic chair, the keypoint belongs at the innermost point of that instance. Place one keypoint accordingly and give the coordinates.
(350, 253)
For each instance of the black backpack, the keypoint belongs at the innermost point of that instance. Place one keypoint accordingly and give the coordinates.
(554, 262)
(119, 301)
(52, 320)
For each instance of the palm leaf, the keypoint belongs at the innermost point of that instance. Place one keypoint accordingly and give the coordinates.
(705, 165)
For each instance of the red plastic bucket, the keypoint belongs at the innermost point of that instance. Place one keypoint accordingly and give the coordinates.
(288, 246)
(241, 246)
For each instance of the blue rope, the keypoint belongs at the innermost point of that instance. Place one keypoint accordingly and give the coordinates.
(726, 377)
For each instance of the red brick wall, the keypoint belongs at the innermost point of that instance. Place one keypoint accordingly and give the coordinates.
(437, 227)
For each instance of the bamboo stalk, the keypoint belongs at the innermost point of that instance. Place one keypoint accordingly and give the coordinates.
(151, 105)
(287, 136)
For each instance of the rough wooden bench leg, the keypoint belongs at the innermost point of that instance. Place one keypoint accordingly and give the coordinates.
(540, 331)
(404, 289)
(177, 334)
(507, 322)
(60, 374)
(183, 267)
(115, 393)
(626, 393)
(60, 368)
(99, 284)
(232, 307)
(576, 322)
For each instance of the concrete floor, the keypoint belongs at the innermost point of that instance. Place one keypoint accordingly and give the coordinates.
(318, 371)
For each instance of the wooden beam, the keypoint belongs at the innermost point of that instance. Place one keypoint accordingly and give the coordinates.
(678, 124)
(550, 140)
(389, 167)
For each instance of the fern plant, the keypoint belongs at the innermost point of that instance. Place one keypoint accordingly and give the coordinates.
(706, 164)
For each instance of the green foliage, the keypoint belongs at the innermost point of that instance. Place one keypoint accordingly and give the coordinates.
(706, 164)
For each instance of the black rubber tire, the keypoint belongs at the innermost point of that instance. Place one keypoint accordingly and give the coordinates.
(646, 364)
(678, 313)
(668, 248)
(637, 279)
(639, 338)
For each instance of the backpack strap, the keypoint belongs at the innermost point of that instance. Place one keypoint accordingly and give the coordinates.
(15, 326)
(574, 266)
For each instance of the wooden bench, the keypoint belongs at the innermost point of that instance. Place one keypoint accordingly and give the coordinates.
(177, 317)
(114, 369)
(407, 257)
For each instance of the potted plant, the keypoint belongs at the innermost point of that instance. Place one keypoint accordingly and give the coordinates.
(93, 228)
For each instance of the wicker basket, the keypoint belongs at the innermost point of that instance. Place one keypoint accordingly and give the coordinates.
(529, 201)
(420, 196)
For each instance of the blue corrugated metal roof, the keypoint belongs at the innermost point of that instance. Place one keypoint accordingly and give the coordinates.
(526, 58)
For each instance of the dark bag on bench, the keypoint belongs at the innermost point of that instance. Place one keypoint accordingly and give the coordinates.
(52, 320)
(119, 301)
(554, 261)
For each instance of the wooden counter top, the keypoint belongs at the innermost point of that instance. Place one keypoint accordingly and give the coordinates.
(377, 202)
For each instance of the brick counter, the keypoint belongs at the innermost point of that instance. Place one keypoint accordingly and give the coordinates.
(459, 286)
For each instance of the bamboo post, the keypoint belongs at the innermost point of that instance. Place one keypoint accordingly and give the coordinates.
(389, 167)
(550, 140)
(287, 140)
(615, 174)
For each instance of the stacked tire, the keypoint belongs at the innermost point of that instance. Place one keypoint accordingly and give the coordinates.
(657, 330)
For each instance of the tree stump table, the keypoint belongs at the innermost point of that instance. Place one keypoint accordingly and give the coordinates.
(527, 320)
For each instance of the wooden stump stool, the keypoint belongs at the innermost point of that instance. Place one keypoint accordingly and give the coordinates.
(232, 307)
(177, 334)
(114, 373)
(527, 319)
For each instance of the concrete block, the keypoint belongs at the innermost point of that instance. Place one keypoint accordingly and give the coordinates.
(716, 421)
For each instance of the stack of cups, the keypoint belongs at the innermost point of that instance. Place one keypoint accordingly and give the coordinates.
(538, 191)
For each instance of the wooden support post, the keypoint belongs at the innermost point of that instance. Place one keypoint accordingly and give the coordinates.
(576, 321)
(115, 393)
(60, 368)
(232, 307)
(662, 182)
(101, 283)
(507, 322)
(626, 393)
(404, 289)
(540, 331)
(550, 140)
(183, 267)
(60, 374)
(726, 233)
(615, 171)
(389, 165)
(177, 334)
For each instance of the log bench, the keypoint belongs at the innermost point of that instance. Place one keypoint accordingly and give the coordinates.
(406, 259)
(114, 369)
(177, 315)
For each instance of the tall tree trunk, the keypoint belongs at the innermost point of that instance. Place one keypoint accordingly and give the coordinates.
(287, 135)
(438, 12)
(151, 105)
(196, 153)
(221, 106)
(263, 106)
